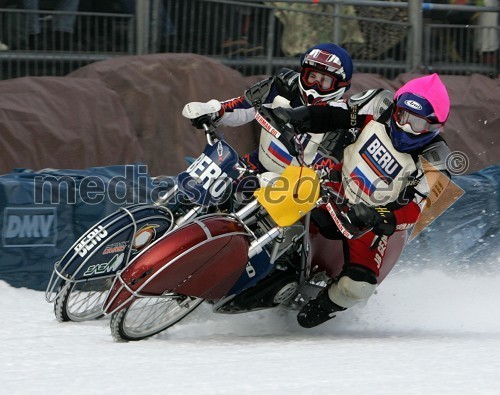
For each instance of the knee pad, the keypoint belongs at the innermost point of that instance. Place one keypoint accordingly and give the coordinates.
(355, 285)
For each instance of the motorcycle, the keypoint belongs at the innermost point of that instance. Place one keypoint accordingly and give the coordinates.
(83, 276)
(267, 253)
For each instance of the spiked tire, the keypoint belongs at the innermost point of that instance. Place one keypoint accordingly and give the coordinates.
(147, 317)
(81, 301)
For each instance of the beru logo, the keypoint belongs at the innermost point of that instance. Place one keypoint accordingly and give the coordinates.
(380, 159)
(209, 175)
(90, 240)
(29, 227)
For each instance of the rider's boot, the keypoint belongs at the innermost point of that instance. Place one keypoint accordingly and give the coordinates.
(318, 311)
(355, 284)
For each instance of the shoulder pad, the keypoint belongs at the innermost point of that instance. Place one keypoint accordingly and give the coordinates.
(286, 82)
(436, 154)
(362, 97)
(379, 99)
(257, 94)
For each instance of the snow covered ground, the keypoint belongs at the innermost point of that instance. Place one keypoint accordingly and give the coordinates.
(425, 331)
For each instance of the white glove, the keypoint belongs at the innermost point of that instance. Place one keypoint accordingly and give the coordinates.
(200, 113)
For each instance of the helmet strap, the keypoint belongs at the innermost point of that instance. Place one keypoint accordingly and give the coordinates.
(386, 115)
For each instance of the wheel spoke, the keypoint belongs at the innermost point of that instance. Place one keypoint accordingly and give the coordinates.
(82, 301)
(149, 316)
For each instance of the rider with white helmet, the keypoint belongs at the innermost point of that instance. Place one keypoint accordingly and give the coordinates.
(324, 76)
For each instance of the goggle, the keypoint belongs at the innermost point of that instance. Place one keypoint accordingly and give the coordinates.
(414, 124)
(324, 82)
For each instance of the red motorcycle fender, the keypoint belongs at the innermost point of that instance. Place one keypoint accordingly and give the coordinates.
(328, 254)
(204, 259)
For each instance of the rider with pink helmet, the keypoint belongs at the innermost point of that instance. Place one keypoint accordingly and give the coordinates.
(381, 175)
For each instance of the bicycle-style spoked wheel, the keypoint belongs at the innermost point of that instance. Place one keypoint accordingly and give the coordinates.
(146, 317)
(81, 301)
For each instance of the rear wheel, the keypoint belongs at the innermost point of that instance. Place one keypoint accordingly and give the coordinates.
(81, 301)
(146, 317)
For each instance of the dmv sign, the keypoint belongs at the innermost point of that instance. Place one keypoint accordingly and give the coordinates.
(29, 227)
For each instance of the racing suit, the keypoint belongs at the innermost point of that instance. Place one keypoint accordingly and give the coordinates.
(375, 173)
(281, 90)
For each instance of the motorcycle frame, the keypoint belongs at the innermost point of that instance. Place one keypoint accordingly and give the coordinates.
(57, 278)
(256, 246)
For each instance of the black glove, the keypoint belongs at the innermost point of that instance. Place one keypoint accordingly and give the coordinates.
(204, 119)
(379, 219)
(299, 117)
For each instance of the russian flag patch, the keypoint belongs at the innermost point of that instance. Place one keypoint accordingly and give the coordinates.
(359, 178)
(280, 153)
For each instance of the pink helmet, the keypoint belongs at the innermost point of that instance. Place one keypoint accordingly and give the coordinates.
(421, 109)
(433, 90)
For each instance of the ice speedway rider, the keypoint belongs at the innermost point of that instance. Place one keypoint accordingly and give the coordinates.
(325, 75)
(381, 174)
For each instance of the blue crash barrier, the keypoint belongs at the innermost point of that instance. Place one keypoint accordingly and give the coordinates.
(44, 212)
(36, 233)
(466, 233)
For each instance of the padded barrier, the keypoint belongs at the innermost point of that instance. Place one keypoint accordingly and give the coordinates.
(465, 235)
(34, 236)
(44, 212)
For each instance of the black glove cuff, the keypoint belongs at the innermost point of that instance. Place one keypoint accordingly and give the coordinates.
(386, 225)
(198, 122)
(299, 117)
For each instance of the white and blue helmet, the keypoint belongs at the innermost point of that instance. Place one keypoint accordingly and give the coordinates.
(325, 73)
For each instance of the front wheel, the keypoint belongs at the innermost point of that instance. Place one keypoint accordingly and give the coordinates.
(146, 317)
(81, 301)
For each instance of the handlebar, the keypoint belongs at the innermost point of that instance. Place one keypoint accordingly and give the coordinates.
(211, 132)
(213, 136)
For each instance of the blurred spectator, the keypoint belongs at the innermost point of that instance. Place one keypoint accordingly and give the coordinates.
(460, 39)
(484, 43)
(3, 47)
(381, 38)
(458, 17)
(238, 25)
(166, 24)
(62, 26)
(486, 38)
(302, 30)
